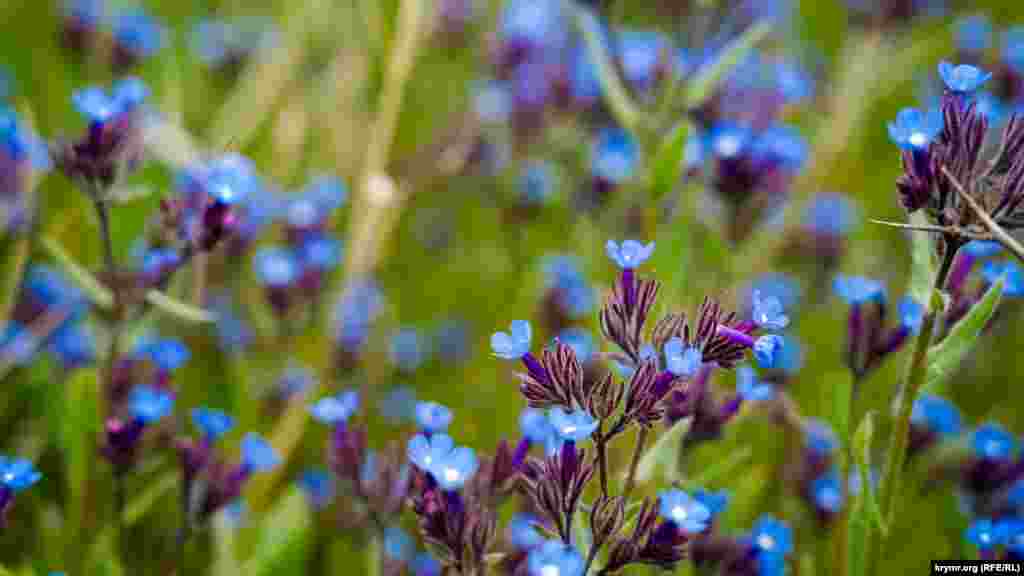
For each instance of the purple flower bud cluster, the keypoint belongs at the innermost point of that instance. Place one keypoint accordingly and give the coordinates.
(49, 314)
(128, 34)
(868, 341)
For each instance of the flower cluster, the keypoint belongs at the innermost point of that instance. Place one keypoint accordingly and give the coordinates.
(23, 156)
(15, 476)
(228, 44)
(128, 34)
(868, 342)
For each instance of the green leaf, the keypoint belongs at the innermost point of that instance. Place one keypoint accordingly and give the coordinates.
(841, 384)
(79, 423)
(661, 458)
(143, 503)
(721, 469)
(922, 273)
(283, 534)
(17, 252)
(865, 513)
(946, 357)
(373, 557)
(707, 78)
(225, 562)
(178, 309)
(97, 292)
(668, 163)
(582, 538)
(612, 88)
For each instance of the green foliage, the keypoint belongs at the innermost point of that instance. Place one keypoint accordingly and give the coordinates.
(946, 357)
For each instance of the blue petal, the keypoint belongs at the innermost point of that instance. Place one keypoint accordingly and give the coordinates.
(257, 454)
(212, 423)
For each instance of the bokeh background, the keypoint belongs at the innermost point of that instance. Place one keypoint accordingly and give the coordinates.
(457, 248)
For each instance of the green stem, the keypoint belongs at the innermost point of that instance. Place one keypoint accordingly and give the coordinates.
(602, 459)
(641, 439)
(893, 473)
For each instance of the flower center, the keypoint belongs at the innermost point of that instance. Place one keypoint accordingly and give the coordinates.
(451, 474)
(550, 570)
(765, 542)
(568, 430)
(679, 514)
(918, 139)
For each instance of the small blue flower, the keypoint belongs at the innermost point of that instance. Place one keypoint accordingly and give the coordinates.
(982, 248)
(18, 343)
(581, 342)
(513, 344)
(1014, 528)
(321, 253)
(355, 311)
(129, 93)
(750, 387)
(782, 145)
(784, 288)
(537, 428)
(973, 33)
(554, 558)
(820, 438)
(768, 312)
(629, 254)
(682, 360)
(398, 545)
(827, 492)
(423, 564)
(688, 514)
(962, 79)
(424, 453)
(766, 350)
(532, 22)
(728, 140)
(212, 423)
(167, 354)
(915, 130)
(95, 104)
(641, 51)
(138, 31)
(537, 182)
(831, 215)
(230, 178)
(986, 534)
(276, 267)
(295, 379)
(1013, 283)
(573, 426)
(492, 102)
(715, 502)
(432, 417)
(333, 410)
(73, 344)
(1013, 48)
(989, 106)
(257, 454)
(455, 468)
(318, 486)
(771, 536)
(615, 156)
(17, 474)
(148, 404)
(936, 414)
(993, 442)
(911, 314)
(858, 290)
(521, 531)
(408, 350)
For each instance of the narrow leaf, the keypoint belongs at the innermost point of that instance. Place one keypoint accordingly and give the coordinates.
(708, 77)
(922, 270)
(178, 309)
(97, 292)
(612, 88)
(660, 459)
(862, 440)
(143, 503)
(721, 469)
(946, 357)
(668, 164)
(283, 529)
(225, 562)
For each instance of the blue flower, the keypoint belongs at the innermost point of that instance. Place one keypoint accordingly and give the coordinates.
(681, 360)
(139, 32)
(532, 22)
(1015, 536)
(17, 474)
(424, 453)
(911, 314)
(167, 354)
(771, 536)
(513, 344)
(492, 102)
(129, 93)
(321, 253)
(831, 215)
(784, 288)
(230, 178)
(407, 351)
(18, 342)
(982, 248)
(858, 290)
(992, 442)
(688, 514)
(1015, 495)
(454, 469)
(257, 454)
(73, 344)
(615, 155)
(148, 404)
(537, 428)
(768, 312)
(333, 410)
(581, 342)
(432, 417)
(276, 267)
(562, 273)
(986, 534)
(936, 414)
(537, 182)
(629, 254)
(782, 145)
(973, 33)
(766, 350)
(318, 486)
(1013, 283)
(423, 564)
(521, 531)
(915, 130)
(641, 51)
(398, 545)
(715, 502)
(295, 379)
(95, 104)
(820, 438)
(750, 387)
(553, 558)
(728, 140)
(212, 423)
(355, 311)
(573, 426)
(827, 492)
(1013, 48)
(962, 79)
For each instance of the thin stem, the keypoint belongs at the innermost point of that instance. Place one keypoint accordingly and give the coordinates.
(591, 556)
(891, 482)
(602, 460)
(991, 225)
(641, 439)
(103, 213)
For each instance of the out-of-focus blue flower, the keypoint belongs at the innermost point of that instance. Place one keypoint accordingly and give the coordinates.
(820, 438)
(212, 423)
(295, 379)
(513, 344)
(766, 350)
(20, 143)
(408, 351)
(535, 426)
(858, 290)
(614, 156)
(95, 104)
(537, 183)
(768, 312)
(911, 314)
(425, 452)
(320, 253)
(993, 442)
(641, 51)
(318, 486)
(453, 470)
(148, 404)
(398, 405)
(137, 31)
(334, 410)
(782, 145)
(750, 387)
(230, 178)
(581, 342)
(1015, 495)
(398, 545)
(276, 267)
(451, 341)
(584, 85)
(554, 558)
(215, 41)
(687, 513)
(728, 140)
(521, 531)
(827, 492)
(982, 248)
(233, 333)
(355, 311)
(973, 33)
(423, 564)
(432, 417)
(257, 454)
(167, 354)
(681, 360)
(532, 23)
(86, 12)
(1013, 48)
(831, 215)
(18, 343)
(629, 254)
(771, 536)
(572, 426)
(915, 130)
(73, 344)
(986, 534)
(575, 295)
(492, 102)
(783, 287)
(1011, 272)
(963, 78)
(17, 474)
(715, 502)
(793, 81)
(989, 106)
(936, 414)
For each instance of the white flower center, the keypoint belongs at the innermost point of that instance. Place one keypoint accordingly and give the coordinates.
(427, 460)
(918, 139)
(985, 537)
(9, 477)
(679, 514)
(568, 430)
(451, 474)
(765, 542)
(728, 146)
(550, 570)
(992, 447)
